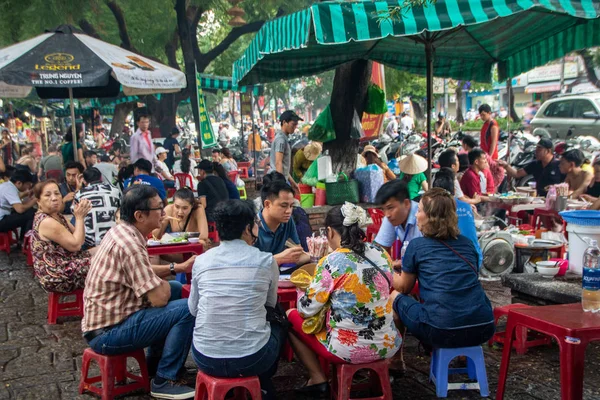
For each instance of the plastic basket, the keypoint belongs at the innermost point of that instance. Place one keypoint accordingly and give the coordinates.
(342, 191)
(581, 217)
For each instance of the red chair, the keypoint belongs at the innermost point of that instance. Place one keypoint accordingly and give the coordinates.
(27, 249)
(171, 192)
(55, 174)
(213, 235)
(233, 175)
(540, 213)
(111, 368)
(5, 241)
(212, 388)
(185, 180)
(57, 309)
(245, 164)
(521, 343)
(342, 380)
(243, 172)
(377, 217)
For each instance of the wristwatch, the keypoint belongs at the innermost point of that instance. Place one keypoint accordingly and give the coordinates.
(172, 268)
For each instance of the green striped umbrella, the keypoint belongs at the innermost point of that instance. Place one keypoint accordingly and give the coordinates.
(461, 39)
(467, 37)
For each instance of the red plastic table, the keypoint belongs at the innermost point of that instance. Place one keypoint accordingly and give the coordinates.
(287, 297)
(573, 329)
(187, 250)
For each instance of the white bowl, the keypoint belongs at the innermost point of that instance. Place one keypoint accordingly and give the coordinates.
(548, 269)
(194, 240)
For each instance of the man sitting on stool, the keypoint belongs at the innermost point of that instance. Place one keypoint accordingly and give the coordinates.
(128, 306)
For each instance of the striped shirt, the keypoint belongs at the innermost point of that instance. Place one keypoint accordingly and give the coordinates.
(119, 275)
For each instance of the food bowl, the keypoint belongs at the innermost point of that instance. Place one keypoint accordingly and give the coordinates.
(152, 242)
(194, 239)
(284, 282)
(548, 269)
(193, 234)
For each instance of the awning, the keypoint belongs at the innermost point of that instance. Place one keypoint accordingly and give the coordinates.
(547, 87)
(212, 82)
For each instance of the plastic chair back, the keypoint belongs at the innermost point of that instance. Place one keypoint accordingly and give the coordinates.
(376, 215)
(55, 174)
(185, 180)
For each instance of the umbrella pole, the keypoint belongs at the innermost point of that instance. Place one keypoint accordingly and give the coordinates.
(73, 127)
(429, 60)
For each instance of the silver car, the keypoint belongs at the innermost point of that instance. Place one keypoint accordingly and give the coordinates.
(567, 116)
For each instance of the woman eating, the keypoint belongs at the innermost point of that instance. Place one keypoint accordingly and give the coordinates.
(232, 285)
(412, 168)
(184, 215)
(455, 311)
(355, 280)
(59, 263)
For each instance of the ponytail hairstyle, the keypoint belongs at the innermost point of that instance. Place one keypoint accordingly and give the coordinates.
(347, 220)
(185, 161)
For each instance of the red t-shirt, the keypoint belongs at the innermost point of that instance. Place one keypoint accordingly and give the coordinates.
(470, 183)
(485, 139)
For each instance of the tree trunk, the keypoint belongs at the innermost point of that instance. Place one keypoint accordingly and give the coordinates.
(118, 122)
(459, 99)
(511, 101)
(417, 110)
(588, 62)
(349, 93)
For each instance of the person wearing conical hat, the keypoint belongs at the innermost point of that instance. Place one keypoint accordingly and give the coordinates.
(371, 156)
(412, 168)
(304, 158)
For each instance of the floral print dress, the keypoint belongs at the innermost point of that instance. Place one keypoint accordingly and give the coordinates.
(57, 269)
(359, 325)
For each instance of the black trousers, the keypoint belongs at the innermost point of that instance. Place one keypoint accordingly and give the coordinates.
(15, 220)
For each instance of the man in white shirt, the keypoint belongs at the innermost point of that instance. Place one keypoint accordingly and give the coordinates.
(406, 123)
(392, 128)
(14, 213)
(108, 170)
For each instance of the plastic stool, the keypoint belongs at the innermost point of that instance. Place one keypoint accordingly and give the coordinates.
(243, 171)
(185, 291)
(439, 370)
(6, 240)
(27, 249)
(213, 235)
(212, 388)
(57, 309)
(521, 344)
(242, 192)
(342, 382)
(112, 367)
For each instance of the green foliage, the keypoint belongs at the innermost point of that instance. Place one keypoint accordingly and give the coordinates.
(476, 125)
(404, 84)
(316, 90)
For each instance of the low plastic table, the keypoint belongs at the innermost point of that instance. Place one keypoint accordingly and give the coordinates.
(573, 329)
(187, 250)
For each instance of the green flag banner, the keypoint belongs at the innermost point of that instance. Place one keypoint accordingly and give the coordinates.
(206, 131)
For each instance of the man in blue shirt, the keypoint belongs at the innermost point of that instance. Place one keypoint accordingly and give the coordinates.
(142, 169)
(172, 144)
(400, 221)
(277, 226)
(444, 179)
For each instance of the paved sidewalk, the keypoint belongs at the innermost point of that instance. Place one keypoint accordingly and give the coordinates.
(40, 361)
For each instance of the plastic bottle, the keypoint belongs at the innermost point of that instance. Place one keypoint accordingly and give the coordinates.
(590, 294)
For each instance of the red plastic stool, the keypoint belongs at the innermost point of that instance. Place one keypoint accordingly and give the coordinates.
(213, 234)
(185, 291)
(27, 250)
(342, 382)
(243, 171)
(6, 240)
(521, 343)
(212, 388)
(111, 368)
(57, 309)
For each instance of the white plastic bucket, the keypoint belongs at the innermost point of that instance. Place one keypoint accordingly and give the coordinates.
(577, 244)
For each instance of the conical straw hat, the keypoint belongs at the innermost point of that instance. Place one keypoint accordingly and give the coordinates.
(413, 164)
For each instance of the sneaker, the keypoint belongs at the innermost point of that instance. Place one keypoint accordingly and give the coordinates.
(171, 390)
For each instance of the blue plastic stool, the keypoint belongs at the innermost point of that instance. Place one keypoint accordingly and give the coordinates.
(181, 278)
(439, 370)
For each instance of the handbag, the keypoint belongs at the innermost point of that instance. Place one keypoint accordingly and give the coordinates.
(342, 191)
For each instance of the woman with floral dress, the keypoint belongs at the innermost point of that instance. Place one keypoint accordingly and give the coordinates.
(59, 263)
(355, 280)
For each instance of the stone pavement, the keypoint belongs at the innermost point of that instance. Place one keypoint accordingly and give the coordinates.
(39, 361)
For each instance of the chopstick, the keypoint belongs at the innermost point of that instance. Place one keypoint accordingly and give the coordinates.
(289, 244)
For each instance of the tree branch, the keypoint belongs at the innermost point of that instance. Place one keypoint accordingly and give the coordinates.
(171, 50)
(588, 62)
(88, 28)
(233, 35)
(123, 33)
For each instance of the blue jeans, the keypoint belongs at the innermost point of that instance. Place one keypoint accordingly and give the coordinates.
(410, 312)
(175, 290)
(167, 330)
(263, 363)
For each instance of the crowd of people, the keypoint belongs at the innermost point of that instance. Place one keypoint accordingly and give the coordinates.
(89, 227)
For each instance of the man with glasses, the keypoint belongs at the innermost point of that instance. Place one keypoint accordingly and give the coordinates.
(73, 182)
(127, 304)
(281, 151)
